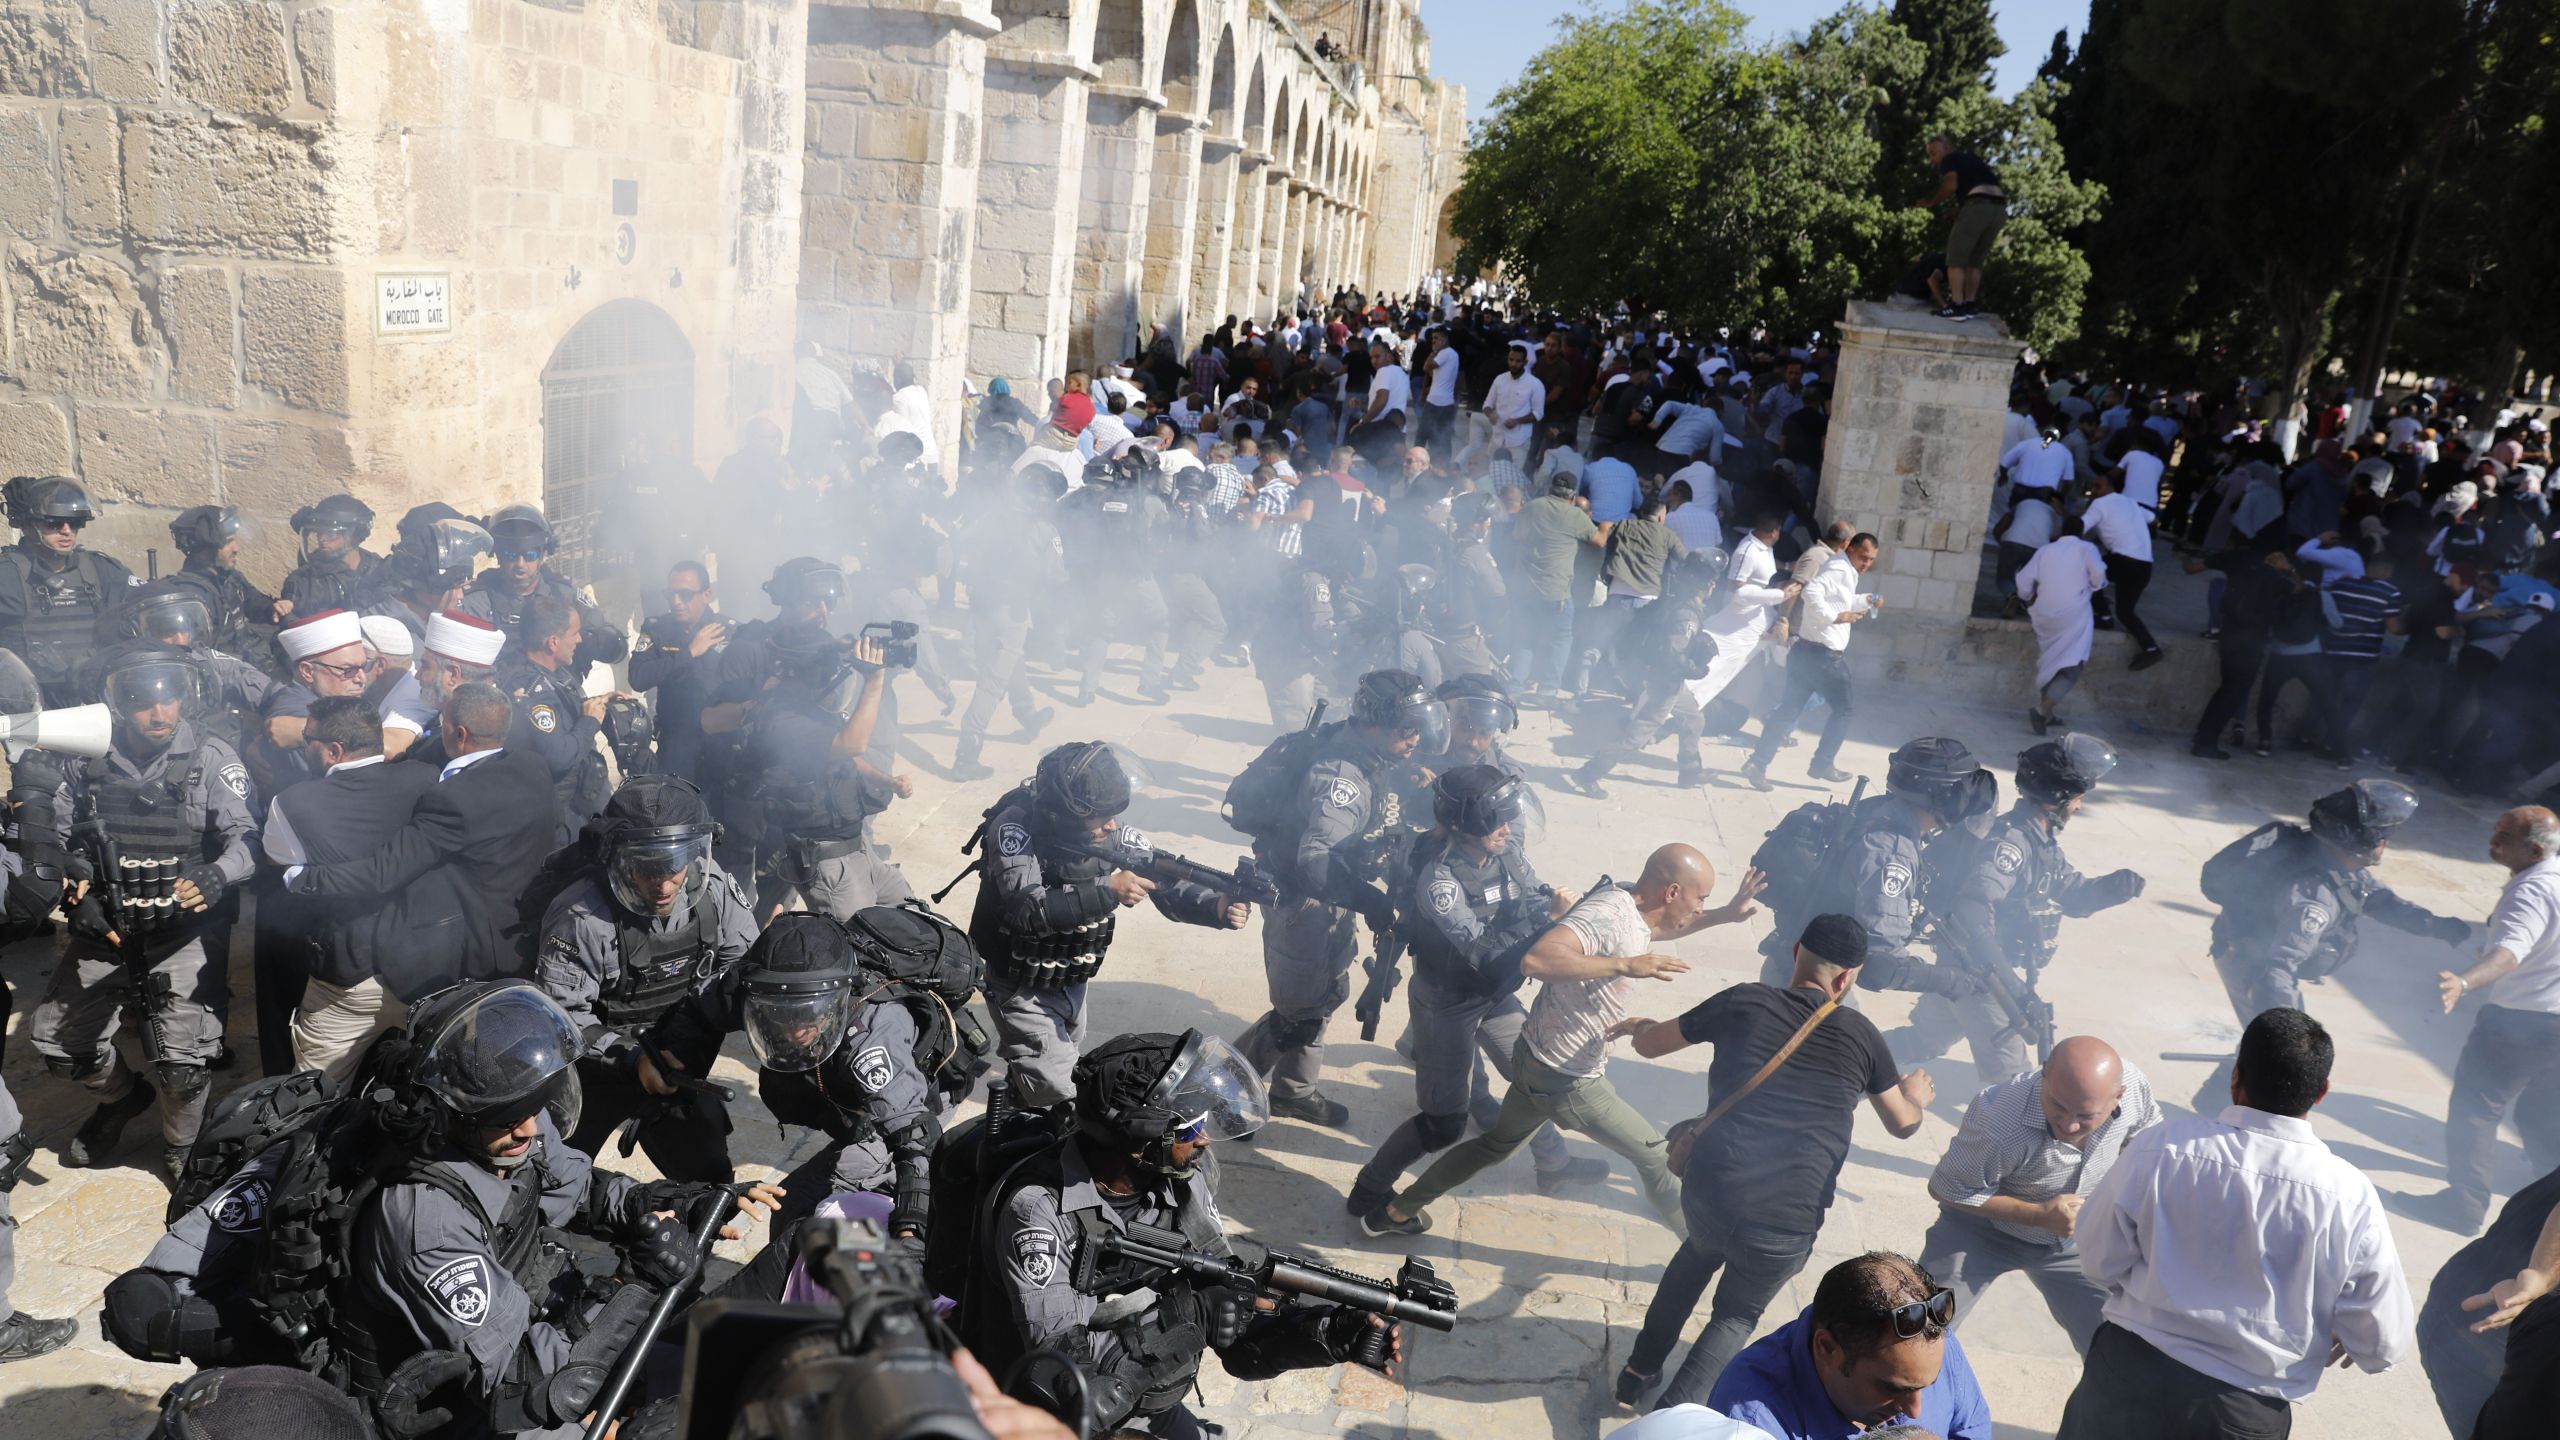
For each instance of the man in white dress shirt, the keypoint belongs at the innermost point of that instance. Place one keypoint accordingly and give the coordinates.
(1754, 595)
(1516, 401)
(2123, 530)
(2240, 1259)
(1818, 663)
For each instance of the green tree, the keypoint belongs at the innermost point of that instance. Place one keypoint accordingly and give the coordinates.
(1958, 41)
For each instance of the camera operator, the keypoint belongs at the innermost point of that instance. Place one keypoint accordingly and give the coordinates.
(1147, 1108)
(804, 787)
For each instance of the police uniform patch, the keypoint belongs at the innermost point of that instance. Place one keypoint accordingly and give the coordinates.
(1012, 840)
(2006, 857)
(241, 1207)
(1445, 896)
(1897, 878)
(871, 1067)
(1134, 841)
(1343, 793)
(1035, 1252)
(2315, 918)
(544, 718)
(460, 1289)
(235, 778)
(645, 645)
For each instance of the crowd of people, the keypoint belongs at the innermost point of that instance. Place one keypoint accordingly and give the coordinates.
(517, 864)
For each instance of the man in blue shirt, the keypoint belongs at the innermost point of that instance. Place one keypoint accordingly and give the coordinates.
(1873, 1350)
(1612, 485)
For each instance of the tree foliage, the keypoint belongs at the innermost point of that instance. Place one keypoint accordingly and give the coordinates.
(1654, 155)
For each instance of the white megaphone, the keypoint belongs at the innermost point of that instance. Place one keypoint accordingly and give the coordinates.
(83, 730)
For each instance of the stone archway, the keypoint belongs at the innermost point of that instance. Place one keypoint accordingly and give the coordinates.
(622, 377)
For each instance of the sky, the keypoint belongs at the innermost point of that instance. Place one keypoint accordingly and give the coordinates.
(1482, 44)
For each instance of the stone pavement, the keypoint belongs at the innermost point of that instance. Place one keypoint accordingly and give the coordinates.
(1552, 1288)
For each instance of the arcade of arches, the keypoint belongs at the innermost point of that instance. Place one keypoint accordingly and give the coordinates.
(273, 248)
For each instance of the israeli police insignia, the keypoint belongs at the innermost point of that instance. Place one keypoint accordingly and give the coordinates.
(646, 644)
(545, 719)
(1342, 794)
(235, 778)
(1012, 840)
(1897, 879)
(1035, 1252)
(2315, 918)
(240, 1207)
(1444, 896)
(871, 1067)
(2006, 857)
(460, 1288)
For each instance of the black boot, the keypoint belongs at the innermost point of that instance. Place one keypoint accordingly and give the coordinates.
(97, 1137)
(964, 758)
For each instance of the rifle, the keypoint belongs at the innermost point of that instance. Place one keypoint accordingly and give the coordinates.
(2030, 1015)
(1417, 1294)
(1246, 882)
(626, 1369)
(1382, 979)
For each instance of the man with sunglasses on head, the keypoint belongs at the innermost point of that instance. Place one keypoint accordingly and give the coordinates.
(678, 657)
(502, 594)
(1872, 1352)
(56, 592)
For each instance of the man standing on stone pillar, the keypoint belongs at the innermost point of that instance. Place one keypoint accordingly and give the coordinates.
(1982, 208)
(1818, 662)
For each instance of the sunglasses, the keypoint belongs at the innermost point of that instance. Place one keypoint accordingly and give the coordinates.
(57, 525)
(342, 672)
(678, 597)
(1194, 1132)
(1914, 1319)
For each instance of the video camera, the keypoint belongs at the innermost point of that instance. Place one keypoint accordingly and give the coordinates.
(897, 641)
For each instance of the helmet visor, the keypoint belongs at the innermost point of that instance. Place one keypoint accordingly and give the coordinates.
(796, 1028)
(151, 684)
(173, 620)
(2091, 758)
(1484, 714)
(2384, 804)
(651, 876)
(505, 1055)
(1428, 719)
(454, 544)
(19, 692)
(1213, 1093)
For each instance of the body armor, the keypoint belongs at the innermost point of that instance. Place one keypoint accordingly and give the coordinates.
(321, 583)
(369, 1349)
(62, 609)
(1050, 961)
(804, 791)
(656, 970)
(1495, 890)
(1157, 1317)
(145, 835)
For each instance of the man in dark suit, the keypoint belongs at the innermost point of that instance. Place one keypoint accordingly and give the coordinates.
(455, 869)
(355, 808)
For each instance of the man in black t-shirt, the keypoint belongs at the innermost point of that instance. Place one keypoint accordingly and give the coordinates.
(1760, 1178)
(1982, 207)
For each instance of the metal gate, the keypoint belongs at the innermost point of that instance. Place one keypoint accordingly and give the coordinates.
(620, 383)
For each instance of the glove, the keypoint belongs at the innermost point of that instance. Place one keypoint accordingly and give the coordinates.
(208, 882)
(1226, 1311)
(1346, 1330)
(641, 1205)
(2119, 887)
(661, 1255)
(1946, 980)
(409, 1388)
(2452, 931)
(89, 917)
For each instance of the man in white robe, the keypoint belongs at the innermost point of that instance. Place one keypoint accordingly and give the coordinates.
(2057, 583)
(1754, 594)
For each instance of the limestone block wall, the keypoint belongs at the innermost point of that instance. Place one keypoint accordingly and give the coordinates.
(203, 197)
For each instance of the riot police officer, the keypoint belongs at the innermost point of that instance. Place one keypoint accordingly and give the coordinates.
(677, 659)
(1299, 630)
(1472, 907)
(1481, 712)
(1876, 873)
(1148, 1107)
(2007, 891)
(1114, 526)
(2291, 898)
(1056, 864)
(1669, 641)
(555, 719)
(54, 592)
(1198, 554)
(209, 537)
(334, 568)
(1331, 859)
(502, 594)
(32, 889)
(830, 1055)
(456, 1253)
(649, 916)
(1478, 598)
(1009, 552)
(158, 831)
(802, 784)
(174, 612)
(425, 570)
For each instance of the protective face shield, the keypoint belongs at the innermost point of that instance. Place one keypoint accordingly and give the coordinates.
(333, 515)
(150, 682)
(1414, 587)
(520, 529)
(796, 992)
(800, 584)
(180, 620)
(1477, 800)
(1212, 1093)
(2361, 817)
(498, 1053)
(639, 865)
(206, 527)
(2055, 771)
(1079, 783)
(1394, 701)
(447, 549)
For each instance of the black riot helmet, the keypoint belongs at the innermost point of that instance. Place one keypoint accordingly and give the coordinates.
(1144, 1093)
(2057, 771)
(141, 675)
(808, 652)
(232, 1401)
(1476, 507)
(1415, 592)
(1079, 783)
(1478, 706)
(488, 1053)
(795, 991)
(337, 513)
(1942, 776)
(803, 582)
(173, 611)
(1476, 800)
(438, 551)
(205, 528)
(1397, 702)
(655, 826)
(518, 528)
(2360, 818)
(29, 499)
(1696, 572)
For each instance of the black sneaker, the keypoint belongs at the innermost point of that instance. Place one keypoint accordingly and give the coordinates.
(1315, 1110)
(1583, 782)
(24, 1337)
(1378, 1224)
(1574, 1175)
(1831, 774)
(2038, 721)
(2207, 750)
(1758, 775)
(1949, 312)
(97, 1137)
(1633, 1385)
(2147, 659)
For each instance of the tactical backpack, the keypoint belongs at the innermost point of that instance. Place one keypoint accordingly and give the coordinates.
(558, 871)
(1793, 856)
(243, 1126)
(2249, 863)
(914, 956)
(1261, 803)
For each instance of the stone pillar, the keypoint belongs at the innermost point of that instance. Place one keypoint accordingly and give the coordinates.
(1119, 155)
(1172, 226)
(892, 178)
(1030, 185)
(1275, 221)
(1213, 242)
(1288, 272)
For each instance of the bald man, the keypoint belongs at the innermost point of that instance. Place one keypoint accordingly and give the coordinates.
(2514, 1049)
(1585, 962)
(2031, 1148)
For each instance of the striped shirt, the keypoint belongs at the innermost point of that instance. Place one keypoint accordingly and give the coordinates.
(1502, 472)
(1568, 1025)
(1276, 499)
(2006, 1148)
(2357, 608)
